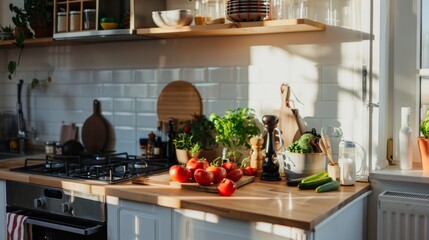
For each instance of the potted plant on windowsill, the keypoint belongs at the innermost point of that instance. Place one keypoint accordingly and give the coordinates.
(235, 129)
(423, 143)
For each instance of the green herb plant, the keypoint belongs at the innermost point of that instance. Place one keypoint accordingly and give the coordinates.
(21, 19)
(424, 127)
(235, 129)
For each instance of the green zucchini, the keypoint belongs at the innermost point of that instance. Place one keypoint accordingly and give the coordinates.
(315, 176)
(330, 186)
(314, 184)
(293, 182)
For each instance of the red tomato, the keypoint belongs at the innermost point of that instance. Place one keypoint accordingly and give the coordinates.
(251, 171)
(245, 173)
(226, 187)
(229, 166)
(202, 177)
(219, 173)
(235, 174)
(179, 173)
(194, 164)
(205, 163)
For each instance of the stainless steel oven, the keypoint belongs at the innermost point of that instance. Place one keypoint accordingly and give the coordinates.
(57, 213)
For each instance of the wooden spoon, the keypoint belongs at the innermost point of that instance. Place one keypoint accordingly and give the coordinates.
(326, 148)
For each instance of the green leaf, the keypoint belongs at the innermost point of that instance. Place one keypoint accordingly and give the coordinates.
(11, 67)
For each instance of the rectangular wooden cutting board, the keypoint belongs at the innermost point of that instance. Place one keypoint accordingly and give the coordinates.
(164, 180)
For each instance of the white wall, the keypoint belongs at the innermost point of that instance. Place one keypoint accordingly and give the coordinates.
(323, 69)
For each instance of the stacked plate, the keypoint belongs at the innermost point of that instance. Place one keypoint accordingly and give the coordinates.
(247, 10)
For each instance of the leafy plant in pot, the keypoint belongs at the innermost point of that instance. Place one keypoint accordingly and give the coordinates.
(235, 129)
(423, 143)
(186, 146)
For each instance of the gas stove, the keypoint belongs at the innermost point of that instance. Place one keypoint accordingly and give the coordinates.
(103, 168)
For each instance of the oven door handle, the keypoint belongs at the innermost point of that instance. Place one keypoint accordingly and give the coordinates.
(80, 231)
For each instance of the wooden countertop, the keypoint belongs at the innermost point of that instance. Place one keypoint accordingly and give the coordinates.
(272, 202)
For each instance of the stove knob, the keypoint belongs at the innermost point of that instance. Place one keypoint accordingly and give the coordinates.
(66, 207)
(39, 202)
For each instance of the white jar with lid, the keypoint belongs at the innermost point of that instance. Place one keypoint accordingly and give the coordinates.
(61, 22)
(74, 21)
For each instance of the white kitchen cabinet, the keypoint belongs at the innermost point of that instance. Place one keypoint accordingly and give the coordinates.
(347, 223)
(195, 225)
(132, 220)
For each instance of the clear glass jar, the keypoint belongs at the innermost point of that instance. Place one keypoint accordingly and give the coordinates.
(61, 22)
(209, 12)
(49, 147)
(74, 21)
(89, 16)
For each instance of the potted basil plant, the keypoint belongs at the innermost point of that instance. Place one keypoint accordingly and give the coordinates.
(423, 143)
(235, 129)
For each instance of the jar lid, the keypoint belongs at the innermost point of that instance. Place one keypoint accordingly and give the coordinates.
(74, 12)
(61, 13)
(90, 10)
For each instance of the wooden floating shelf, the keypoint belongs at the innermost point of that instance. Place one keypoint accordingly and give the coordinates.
(228, 29)
(236, 28)
(32, 42)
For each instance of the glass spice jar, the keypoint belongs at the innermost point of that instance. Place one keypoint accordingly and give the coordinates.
(49, 147)
(61, 22)
(89, 16)
(74, 21)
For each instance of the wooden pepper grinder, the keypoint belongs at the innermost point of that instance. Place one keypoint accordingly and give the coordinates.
(256, 157)
(270, 167)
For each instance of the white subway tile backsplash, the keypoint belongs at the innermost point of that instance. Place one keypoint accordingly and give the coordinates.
(169, 74)
(146, 105)
(124, 105)
(194, 75)
(234, 91)
(123, 76)
(145, 75)
(209, 90)
(125, 133)
(222, 75)
(124, 119)
(129, 96)
(102, 76)
(82, 76)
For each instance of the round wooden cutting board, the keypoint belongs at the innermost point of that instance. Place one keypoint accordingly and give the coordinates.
(179, 100)
(94, 130)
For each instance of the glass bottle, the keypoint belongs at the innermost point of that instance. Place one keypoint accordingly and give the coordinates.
(405, 143)
(171, 151)
(150, 145)
(158, 142)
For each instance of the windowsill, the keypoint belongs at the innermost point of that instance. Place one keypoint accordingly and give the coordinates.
(393, 173)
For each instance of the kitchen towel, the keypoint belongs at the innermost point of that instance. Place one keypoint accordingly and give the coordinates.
(16, 227)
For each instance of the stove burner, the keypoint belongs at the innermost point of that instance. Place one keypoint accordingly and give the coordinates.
(105, 168)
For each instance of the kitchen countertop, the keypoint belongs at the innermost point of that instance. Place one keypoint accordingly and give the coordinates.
(272, 202)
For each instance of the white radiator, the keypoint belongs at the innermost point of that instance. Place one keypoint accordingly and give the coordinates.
(403, 216)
